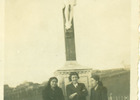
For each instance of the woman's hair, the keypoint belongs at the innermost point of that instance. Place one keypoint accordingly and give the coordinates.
(73, 73)
(48, 87)
(48, 84)
(97, 78)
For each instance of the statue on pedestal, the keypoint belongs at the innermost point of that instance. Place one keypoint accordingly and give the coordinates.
(71, 64)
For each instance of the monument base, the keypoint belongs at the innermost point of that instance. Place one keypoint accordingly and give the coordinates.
(73, 66)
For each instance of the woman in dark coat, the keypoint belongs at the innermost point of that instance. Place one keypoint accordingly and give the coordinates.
(98, 92)
(75, 90)
(52, 91)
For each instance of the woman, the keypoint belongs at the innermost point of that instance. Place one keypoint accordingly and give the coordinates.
(98, 92)
(52, 91)
(75, 90)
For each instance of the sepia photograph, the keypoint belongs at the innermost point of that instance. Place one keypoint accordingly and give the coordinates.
(71, 49)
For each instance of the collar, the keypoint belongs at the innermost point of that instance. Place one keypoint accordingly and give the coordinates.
(96, 87)
(75, 85)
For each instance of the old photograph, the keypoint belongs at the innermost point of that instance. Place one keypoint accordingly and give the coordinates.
(71, 50)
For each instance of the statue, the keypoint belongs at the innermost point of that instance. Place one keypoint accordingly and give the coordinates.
(69, 5)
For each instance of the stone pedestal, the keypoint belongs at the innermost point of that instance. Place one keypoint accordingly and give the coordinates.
(72, 66)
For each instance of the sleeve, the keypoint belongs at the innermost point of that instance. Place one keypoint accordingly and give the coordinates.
(68, 91)
(104, 94)
(91, 94)
(61, 94)
(45, 95)
(83, 91)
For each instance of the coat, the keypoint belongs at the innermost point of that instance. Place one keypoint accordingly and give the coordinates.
(99, 94)
(70, 89)
(49, 94)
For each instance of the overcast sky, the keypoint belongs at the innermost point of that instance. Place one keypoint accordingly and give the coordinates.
(34, 39)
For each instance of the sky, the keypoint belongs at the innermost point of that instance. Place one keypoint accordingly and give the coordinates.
(34, 37)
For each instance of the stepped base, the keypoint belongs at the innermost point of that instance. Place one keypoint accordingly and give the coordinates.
(73, 66)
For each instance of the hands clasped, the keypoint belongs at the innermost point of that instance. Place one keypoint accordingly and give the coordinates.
(72, 95)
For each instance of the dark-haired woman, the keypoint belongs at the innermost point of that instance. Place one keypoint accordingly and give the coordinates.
(98, 92)
(52, 91)
(75, 90)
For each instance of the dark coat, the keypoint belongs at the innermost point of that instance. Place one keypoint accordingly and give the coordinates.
(99, 94)
(81, 94)
(49, 94)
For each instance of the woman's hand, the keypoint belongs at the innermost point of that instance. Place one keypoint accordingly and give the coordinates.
(83, 90)
(72, 95)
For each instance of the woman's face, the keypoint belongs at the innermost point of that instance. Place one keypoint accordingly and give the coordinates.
(53, 83)
(94, 82)
(74, 78)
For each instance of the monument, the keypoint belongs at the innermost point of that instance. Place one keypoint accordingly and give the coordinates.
(71, 65)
